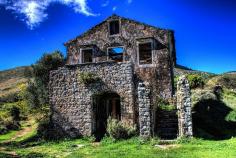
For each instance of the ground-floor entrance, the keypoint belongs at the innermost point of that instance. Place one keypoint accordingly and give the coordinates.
(104, 106)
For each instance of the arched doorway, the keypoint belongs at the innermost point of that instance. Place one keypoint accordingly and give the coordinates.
(105, 105)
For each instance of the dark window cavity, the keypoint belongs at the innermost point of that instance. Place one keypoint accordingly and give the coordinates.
(87, 55)
(114, 27)
(145, 53)
(116, 54)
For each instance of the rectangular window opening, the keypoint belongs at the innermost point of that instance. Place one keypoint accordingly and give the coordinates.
(145, 53)
(116, 54)
(114, 27)
(87, 55)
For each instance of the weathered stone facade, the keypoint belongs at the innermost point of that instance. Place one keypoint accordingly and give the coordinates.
(72, 100)
(131, 87)
(160, 72)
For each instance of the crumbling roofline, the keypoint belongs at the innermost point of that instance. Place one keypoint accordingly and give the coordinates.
(107, 19)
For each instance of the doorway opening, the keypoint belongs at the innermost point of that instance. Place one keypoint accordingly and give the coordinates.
(105, 105)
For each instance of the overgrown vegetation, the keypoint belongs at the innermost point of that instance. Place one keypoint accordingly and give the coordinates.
(163, 104)
(119, 130)
(87, 77)
(214, 104)
(195, 81)
(213, 115)
(13, 111)
(29, 95)
(37, 90)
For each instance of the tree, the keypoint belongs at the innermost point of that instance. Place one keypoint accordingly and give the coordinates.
(38, 87)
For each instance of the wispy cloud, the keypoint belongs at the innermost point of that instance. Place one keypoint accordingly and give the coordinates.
(34, 11)
(106, 3)
(130, 1)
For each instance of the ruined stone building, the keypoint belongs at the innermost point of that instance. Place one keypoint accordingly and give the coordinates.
(119, 68)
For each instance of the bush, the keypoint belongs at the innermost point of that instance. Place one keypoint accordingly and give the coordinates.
(45, 130)
(15, 113)
(231, 116)
(163, 104)
(87, 77)
(118, 130)
(9, 117)
(195, 81)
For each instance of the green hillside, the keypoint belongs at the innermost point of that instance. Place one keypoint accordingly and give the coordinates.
(10, 79)
(214, 103)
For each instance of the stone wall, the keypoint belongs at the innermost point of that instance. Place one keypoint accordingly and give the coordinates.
(184, 107)
(71, 100)
(144, 111)
(160, 73)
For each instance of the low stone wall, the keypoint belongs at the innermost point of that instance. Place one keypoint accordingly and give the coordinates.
(71, 101)
(184, 107)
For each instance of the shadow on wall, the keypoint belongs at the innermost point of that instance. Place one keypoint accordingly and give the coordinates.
(209, 120)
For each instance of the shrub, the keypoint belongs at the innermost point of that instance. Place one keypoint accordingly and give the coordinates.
(45, 130)
(218, 91)
(167, 107)
(87, 77)
(231, 116)
(195, 81)
(163, 104)
(15, 113)
(118, 130)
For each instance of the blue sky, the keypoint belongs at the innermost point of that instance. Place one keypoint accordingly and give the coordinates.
(205, 30)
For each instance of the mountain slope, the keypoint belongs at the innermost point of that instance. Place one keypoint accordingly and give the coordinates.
(10, 79)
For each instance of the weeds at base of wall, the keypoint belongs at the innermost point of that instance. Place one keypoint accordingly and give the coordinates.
(118, 130)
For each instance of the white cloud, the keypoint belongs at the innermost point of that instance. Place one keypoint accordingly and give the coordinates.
(34, 11)
(114, 8)
(130, 1)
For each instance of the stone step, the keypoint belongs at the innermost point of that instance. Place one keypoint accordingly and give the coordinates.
(166, 126)
(167, 121)
(168, 112)
(171, 136)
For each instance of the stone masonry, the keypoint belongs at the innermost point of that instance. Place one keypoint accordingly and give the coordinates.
(72, 101)
(184, 107)
(144, 110)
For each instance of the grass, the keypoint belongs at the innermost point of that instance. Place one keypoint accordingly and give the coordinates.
(25, 147)
(28, 130)
(7, 136)
(127, 148)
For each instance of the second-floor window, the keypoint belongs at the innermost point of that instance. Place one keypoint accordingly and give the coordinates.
(145, 53)
(114, 27)
(115, 53)
(87, 55)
